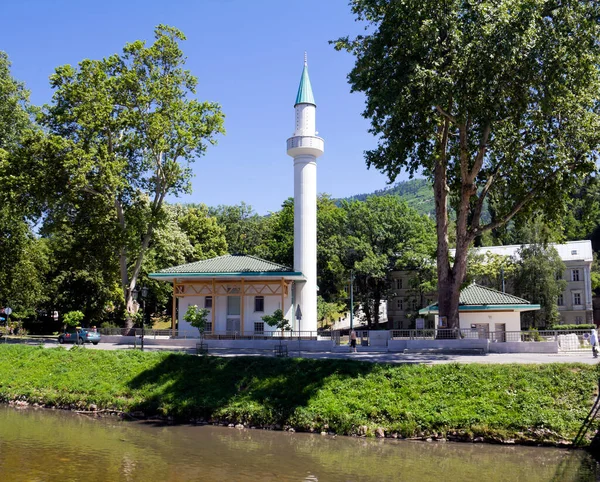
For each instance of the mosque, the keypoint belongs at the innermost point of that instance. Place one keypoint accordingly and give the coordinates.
(239, 290)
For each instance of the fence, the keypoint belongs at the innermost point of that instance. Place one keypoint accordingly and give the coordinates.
(568, 340)
(222, 335)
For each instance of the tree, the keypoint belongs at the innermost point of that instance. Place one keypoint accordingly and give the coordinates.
(277, 321)
(538, 279)
(495, 100)
(245, 230)
(73, 318)
(379, 233)
(203, 231)
(197, 318)
(124, 130)
(23, 257)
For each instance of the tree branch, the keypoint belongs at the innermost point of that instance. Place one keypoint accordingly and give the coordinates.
(445, 114)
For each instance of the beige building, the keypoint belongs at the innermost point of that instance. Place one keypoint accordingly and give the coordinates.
(574, 305)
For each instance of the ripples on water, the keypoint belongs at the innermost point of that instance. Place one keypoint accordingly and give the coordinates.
(53, 446)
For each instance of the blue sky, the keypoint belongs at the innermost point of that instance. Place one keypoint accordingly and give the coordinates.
(248, 56)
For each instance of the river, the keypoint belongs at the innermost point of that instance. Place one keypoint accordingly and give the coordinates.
(51, 445)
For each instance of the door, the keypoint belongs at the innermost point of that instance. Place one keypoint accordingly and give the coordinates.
(500, 332)
(483, 331)
(233, 314)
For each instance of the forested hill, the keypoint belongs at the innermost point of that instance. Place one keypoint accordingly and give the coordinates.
(417, 193)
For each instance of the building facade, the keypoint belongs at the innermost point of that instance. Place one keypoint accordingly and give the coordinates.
(574, 305)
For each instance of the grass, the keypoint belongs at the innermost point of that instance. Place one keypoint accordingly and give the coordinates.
(526, 403)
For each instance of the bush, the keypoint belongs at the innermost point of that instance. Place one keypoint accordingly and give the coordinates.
(572, 327)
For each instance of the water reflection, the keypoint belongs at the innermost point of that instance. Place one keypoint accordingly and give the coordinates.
(54, 446)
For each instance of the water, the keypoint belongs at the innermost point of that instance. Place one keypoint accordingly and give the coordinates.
(49, 446)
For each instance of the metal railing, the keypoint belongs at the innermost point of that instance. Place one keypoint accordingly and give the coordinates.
(217, 335)
(568, 340)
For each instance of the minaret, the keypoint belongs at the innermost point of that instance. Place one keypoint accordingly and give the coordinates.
(305, 147)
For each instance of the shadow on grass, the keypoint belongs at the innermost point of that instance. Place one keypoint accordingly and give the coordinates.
(259, 391)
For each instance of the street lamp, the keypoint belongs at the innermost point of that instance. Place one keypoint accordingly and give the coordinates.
(144, 296)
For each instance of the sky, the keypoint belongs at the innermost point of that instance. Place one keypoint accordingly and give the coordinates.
(248, 56)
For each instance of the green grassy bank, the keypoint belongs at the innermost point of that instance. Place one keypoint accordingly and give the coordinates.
(524, 403)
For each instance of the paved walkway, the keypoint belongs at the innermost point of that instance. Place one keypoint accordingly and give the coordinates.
(579, 357)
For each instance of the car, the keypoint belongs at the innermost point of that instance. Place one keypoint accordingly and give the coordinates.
(80, 336)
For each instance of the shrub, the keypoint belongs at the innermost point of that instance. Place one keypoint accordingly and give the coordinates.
(572, 327)
(197, 318)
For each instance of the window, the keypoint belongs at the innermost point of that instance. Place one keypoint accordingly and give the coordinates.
(576, 298)
(208, 302)
(398, 283)
(208, 327)
(259, 303)
(399, 304)
(575, 275)
(259, 327)
(578, 320)
(573, 252)
(560, 300)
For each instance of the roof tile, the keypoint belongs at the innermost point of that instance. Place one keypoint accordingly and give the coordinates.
(230, 263)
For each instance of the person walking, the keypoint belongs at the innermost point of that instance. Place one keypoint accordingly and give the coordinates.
(594, 342)
(353, 341)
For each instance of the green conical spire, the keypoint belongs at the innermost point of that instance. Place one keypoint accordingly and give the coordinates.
(305, 94)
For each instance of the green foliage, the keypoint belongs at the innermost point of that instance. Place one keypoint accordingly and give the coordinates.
(417, 193)
(277, 320)
(327, 312)
(122, 133)
(379, 235)
(583, 326)
(538, 279)
(527, 403)
(197, 317)
(73, 318)
(245, 231)
(495, 101)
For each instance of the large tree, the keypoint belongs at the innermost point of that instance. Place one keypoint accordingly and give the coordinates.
(23, 260)
(124, 130)
(492, 100)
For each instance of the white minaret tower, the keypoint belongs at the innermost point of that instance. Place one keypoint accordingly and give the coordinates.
(305, 147)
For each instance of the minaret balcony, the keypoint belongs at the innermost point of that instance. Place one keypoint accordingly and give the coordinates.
(305, 145)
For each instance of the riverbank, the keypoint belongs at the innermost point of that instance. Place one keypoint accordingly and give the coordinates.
(543, 404)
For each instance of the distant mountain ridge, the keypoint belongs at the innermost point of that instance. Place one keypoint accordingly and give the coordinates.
(417, 193)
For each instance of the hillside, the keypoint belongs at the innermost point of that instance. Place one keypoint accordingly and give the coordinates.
(417, 193)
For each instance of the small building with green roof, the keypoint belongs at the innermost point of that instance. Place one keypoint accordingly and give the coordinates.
(238, 290)
(486, 310)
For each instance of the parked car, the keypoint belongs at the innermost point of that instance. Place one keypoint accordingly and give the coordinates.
(79, 336)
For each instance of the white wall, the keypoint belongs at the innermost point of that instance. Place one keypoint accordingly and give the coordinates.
(272, 303)
(512, 319)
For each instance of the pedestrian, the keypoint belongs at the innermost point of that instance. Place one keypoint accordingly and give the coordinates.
(353, 341)
(594, 342)
(94, 329)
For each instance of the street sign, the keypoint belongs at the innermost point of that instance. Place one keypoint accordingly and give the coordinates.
(8, 310)
(298, 313)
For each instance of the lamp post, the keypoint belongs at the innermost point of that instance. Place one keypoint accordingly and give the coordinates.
(351, 299)
(144, 296)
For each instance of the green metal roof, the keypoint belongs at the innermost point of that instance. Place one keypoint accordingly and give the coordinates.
(476, 296)
(229, 264)
(305, 93)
